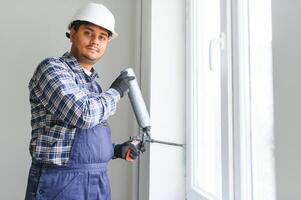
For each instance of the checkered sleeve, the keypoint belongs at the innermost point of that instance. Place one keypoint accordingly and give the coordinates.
(56, 88)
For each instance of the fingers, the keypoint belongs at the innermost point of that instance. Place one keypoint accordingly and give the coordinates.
(128, 156)
(129, 150)
(140, 146)
(121, 83)
(125, 76)
(135, 142)
(129, 78)
(132, 152)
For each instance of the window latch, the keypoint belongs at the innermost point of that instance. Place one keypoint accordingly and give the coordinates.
(221, 41)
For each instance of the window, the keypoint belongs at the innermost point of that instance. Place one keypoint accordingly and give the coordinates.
(207, 103)
(229, 141)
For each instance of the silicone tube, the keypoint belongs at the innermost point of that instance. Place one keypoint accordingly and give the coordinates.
(137, 102)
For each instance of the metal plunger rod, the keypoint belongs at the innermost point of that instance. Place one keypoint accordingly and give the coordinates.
(166, 143)
(145, 137)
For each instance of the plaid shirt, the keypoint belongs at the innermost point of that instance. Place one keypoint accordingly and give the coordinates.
(64, 98)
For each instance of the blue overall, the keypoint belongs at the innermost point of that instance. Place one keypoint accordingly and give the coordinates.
(85, 176)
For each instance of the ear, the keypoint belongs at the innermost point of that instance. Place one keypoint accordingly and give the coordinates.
(72, 34)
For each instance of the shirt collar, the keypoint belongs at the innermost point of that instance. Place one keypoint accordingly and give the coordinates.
(88, 72)
(74, 64)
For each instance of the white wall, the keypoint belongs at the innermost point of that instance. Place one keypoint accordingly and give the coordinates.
(163, 59)
(30, 31)
(286, 20)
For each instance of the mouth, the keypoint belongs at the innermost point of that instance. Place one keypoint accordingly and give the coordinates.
(91, 48)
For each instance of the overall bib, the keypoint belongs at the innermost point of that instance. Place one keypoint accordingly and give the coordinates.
(85, 176)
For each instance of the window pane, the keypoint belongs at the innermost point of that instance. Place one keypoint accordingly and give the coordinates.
(207, 119)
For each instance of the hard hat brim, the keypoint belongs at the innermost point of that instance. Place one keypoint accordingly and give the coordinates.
(114, 34)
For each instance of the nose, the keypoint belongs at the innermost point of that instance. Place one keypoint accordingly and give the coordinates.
(94, 40)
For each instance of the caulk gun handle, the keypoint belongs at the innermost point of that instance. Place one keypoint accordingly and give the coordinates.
(128, 154)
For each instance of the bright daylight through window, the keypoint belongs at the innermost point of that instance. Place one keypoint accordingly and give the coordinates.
(229, 85)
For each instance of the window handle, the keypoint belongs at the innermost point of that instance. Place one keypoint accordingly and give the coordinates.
(221, 42)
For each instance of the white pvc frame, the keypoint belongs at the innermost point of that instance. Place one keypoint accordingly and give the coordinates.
(237, 180)
(242, 109)
(227, 170)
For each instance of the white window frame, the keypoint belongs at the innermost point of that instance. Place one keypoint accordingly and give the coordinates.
(236, 114)
(226, 105)
(241, 101)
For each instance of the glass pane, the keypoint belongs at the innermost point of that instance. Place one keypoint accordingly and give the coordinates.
(262, 99)
(208, 101)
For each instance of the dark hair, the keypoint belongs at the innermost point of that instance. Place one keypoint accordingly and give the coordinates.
(76, 24)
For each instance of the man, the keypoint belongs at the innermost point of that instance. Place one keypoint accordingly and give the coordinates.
(71, 139)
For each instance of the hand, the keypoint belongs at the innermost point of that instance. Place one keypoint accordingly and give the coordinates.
(128, 150)
(121, 83)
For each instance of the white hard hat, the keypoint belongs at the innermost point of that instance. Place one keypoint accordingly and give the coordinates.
(96, 14)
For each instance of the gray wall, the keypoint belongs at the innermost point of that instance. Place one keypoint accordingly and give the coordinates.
(30, 31)
(286, 19)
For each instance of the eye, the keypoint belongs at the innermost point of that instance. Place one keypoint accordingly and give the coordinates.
(87, 33)
(102, 38)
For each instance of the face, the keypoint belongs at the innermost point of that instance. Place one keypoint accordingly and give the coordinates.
(89, 43)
